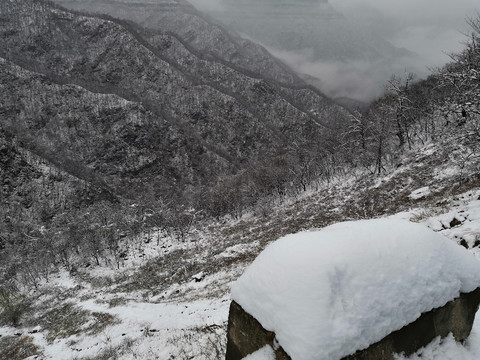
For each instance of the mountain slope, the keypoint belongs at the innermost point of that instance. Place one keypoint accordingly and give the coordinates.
(181, 18)
(200, 118)
(92, 275)
(186, 284)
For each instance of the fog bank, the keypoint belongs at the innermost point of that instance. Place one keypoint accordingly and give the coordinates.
(351, 46)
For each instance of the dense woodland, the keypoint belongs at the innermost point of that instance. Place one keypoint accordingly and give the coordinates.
(147, 132)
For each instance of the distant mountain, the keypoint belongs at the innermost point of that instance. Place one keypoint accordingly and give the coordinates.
(139, 113)
(314, 38)
(314, 28)
(194, 28)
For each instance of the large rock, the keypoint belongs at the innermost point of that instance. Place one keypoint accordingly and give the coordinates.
(246, 335)
(354, 290)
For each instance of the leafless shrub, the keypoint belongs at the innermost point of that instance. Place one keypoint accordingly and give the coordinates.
(17, 348)
(206, 343)
(13, 306)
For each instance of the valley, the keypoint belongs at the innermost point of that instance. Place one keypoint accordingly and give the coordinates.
(148, 154)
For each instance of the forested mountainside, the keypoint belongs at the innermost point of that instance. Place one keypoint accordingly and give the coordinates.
(100, 280)
(196, 119)
(148, 172)
(102, 113)
(180, 18)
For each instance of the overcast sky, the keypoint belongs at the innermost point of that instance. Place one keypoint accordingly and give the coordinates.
(428, 27)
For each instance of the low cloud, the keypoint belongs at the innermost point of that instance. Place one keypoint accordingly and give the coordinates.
(335, 79)
(429, 29)
(208, 5)
(413, 11)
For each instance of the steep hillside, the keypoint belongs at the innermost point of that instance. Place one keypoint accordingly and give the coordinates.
(196, 118)
(140, 175)
(104, 121)
(201, 33)
(92, 135)
(170, 297)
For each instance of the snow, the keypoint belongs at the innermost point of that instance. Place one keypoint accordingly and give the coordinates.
(138, 321)
(265, 353)
(445, 349)
(420, 193)
(166, 316)
(188, 317)
(235, 250)
(334, 291)
(62, 279)
(449, 349)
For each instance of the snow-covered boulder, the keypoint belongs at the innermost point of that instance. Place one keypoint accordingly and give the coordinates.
(332, 293)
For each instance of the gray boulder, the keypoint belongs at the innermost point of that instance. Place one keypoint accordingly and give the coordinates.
(246, 335)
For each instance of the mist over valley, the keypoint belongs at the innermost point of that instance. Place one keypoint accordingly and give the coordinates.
(349, 48)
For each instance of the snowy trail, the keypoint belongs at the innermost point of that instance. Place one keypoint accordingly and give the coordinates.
(150, 326)
(161, 316)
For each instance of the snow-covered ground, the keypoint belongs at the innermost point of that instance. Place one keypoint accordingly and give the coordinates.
(187, 320)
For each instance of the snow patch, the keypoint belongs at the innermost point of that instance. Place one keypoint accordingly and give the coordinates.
(166, 316)
(265, 353)
(420, 193)
(444, 349)
(239, 249)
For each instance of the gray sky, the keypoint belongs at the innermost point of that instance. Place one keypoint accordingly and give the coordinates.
(428, 27)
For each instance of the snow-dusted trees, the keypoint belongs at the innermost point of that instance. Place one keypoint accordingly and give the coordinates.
(368, 140)
(463, 74)
(444, 107)
(401, 107)
(461, 78)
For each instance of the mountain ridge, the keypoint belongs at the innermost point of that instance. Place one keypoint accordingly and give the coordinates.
(192, 117)
(195, 28)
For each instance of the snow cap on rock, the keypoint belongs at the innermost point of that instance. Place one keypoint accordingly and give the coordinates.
(329, 293)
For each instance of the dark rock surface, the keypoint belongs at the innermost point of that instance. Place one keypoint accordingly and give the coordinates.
(246, 335)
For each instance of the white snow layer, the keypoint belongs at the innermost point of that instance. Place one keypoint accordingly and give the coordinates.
(331, 292)
(420, 193)
(265, 353)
